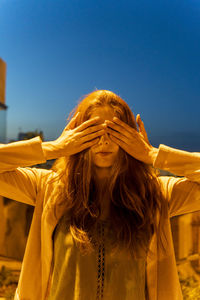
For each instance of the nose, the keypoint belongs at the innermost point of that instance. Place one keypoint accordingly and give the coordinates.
(104, 139)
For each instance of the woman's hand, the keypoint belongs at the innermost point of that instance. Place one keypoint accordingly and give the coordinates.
(73, 141)
(133, 142)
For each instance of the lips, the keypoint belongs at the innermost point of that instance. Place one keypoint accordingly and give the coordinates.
(104, 153)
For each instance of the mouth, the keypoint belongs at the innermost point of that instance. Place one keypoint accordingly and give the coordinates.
(103, 153)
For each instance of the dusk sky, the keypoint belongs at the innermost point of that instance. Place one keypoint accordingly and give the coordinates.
(148, 52)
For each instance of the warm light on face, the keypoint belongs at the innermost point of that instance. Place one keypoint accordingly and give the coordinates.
(105, 144)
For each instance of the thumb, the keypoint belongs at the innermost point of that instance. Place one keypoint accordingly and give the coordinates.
(142, 129)
(72, 122)
(70, 125)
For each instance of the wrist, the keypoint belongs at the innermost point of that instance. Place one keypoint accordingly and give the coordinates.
(50, 150)
(153, 154)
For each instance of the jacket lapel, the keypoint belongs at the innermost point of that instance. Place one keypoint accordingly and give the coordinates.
(48, 224)
(152, 270)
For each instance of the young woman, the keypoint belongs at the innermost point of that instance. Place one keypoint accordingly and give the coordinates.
(101, 223)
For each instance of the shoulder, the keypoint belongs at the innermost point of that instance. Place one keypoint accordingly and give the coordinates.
(42, 177)
(167, 183)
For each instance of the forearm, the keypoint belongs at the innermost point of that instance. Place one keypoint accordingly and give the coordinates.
(178, 162)
(50, 150)
(21, 154)
(153, 155)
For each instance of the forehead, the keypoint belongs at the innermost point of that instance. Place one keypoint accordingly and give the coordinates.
(105, 113)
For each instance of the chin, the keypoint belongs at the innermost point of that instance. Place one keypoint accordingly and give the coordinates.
(103, 165)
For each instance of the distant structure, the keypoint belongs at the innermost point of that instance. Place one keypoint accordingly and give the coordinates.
(3, 109)
(3, 106)
(29, 135)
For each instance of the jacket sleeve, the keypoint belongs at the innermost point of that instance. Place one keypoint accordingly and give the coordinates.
(17, 180)
(183, 193)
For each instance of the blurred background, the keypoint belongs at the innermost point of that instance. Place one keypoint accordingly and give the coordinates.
(52, 53)
(145, 51)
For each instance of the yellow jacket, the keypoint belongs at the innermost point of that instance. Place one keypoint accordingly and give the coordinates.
(29, 185)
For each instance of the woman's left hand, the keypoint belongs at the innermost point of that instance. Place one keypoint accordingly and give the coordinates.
(133, 142)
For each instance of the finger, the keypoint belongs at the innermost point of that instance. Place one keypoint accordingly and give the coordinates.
(92, 135)
(138, 118)
(142, 129)
(144, 132)
(117, 135)
(125, 131)
(71, 124)
(88, 144)
(139, 122)
(118, 142)
(123, 125)
(87, 123)
(92, 129)
(117, 128)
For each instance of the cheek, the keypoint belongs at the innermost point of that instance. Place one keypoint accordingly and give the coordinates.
(115, 154)
(115, 148)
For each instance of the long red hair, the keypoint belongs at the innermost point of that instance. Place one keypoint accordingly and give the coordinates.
(134, 190)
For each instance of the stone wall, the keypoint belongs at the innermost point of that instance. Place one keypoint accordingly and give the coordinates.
(15, 220)
(14, 227)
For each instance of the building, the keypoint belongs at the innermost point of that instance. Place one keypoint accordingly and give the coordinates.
(3, 109)
(29, 135)
(3, 106)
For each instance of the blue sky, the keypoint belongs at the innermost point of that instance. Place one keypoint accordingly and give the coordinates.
(148, 52)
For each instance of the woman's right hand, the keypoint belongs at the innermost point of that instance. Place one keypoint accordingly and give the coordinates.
(73, 141)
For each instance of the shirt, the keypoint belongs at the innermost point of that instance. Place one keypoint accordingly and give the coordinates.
(99, 275)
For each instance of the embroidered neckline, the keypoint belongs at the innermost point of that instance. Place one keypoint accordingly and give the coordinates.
(101, 263)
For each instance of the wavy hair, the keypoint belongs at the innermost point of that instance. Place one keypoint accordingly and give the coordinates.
(134, 190)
